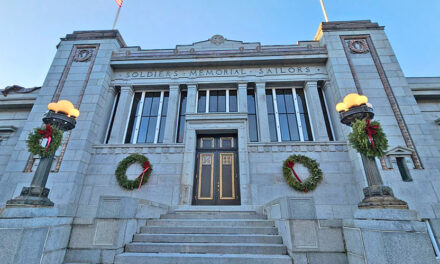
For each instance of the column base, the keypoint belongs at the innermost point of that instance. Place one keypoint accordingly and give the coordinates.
(31, 197)
(379, 196)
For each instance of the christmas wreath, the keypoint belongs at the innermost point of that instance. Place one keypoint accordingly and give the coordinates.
(292, 178)
(368, 138)
(121, 170)
(54, 137)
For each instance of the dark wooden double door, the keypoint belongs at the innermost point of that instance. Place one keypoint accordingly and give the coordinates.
(216, 181)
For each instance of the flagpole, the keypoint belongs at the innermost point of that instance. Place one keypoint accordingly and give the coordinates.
(324, 11)
(116, 18)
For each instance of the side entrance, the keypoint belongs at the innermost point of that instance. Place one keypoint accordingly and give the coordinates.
(216, 180)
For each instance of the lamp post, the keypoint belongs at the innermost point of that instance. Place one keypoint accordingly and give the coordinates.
(376, 195)
(61, 115)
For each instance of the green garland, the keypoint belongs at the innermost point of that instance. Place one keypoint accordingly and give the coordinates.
(359, 139)
(34, 142)
(121, 170)
(308, 184)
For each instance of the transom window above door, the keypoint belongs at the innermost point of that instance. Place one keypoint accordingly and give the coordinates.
(147, 118)
(216, 100)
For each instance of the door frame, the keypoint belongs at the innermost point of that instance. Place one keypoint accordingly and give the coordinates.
(216, 152)
(218, 123)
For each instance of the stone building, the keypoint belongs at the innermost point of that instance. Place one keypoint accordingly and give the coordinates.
(216, 120)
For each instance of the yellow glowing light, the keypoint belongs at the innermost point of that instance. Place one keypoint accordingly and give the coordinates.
(65, 107)
(351, 100)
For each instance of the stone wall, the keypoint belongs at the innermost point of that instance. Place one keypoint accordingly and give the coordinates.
(15, 119)
(162, 186)
(334, 198)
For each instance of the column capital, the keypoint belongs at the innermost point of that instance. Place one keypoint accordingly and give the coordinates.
(191, 84)
(311, 83)
(173, 86)
(113, 88)
(242, 85)
(128, 89)
(260, 84)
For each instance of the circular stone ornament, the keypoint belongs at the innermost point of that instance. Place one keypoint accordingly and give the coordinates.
(35, 138)
(360, 141)
(310, 183)
(121, 170)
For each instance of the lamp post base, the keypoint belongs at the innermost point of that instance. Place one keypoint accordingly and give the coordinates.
(31, 197)
(379, 196)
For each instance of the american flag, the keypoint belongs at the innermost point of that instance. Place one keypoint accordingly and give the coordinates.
(119, 2)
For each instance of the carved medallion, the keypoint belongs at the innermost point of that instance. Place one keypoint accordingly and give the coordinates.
(358, 46)
(83, 55)
(217, 39)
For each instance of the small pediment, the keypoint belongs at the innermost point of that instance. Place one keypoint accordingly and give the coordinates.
(217, 42)
(399, 151)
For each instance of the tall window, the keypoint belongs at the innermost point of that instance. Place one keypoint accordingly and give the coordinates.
(403, 169)
(182, 111)
(252, 116)
(212, 101)
(147, 118)
(326, 114)
(112, 118)
(288, 116)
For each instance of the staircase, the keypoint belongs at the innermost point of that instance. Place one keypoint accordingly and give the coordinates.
(207, 238)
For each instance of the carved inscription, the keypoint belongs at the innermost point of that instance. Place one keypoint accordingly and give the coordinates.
(221, 72)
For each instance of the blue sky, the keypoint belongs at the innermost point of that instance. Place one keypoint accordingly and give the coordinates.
(31, 28)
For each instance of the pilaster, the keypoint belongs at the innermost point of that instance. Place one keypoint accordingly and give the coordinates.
(121, 115)
(242, 97)
(170, 125)
(191, 98)
(315, 110)
(263, 120)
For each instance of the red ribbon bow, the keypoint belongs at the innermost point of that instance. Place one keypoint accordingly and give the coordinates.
(47, 133)
(371, 131)
(146, 166)
(290, 164)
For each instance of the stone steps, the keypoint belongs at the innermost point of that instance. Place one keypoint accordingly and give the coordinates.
(213, 215)
(209, 230)
(212, 237)
(206, 238)
(211, 222)
(173, 258)
(213, 248)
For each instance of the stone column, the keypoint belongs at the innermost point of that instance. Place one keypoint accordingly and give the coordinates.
(170, 124)
(263, 120)
(315, 111)
(121, 115)
(242, 97)
(191, 98)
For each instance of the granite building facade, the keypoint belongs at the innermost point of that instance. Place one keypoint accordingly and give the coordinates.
(216, 119)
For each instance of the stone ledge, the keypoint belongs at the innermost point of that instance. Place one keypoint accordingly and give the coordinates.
(95, 34)
(386, 214)
(137, 148)
(349, 25)
(298, 147)
(386, 225)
